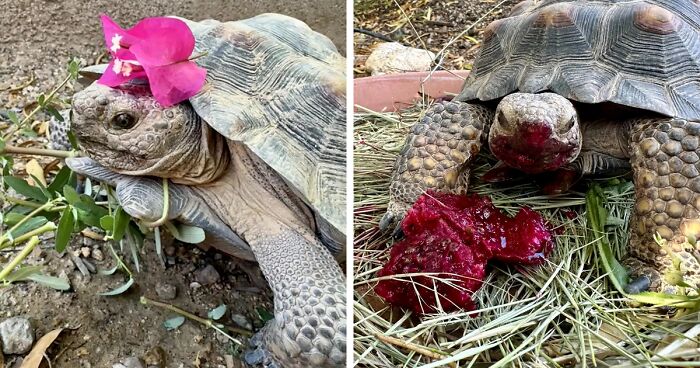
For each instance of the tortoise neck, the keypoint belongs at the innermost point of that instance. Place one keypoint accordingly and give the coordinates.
(202, 161)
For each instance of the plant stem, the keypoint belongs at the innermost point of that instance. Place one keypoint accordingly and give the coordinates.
(413, 347)
(184, 313)
(49, 226)
(39, 152)
(21, 256)
(166, 207)
(25, 203)
(205, 53)
(26, 218)
(38, 108)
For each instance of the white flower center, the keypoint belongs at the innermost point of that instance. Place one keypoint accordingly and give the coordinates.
(116, 39)
(124, 67)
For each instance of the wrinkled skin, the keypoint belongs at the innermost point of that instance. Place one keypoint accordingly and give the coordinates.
(245, 208)
(541, 132)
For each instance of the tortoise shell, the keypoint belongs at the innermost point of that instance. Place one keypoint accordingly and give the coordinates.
(638, 53)
(279, 87)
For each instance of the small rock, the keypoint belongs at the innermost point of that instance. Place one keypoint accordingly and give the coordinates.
(17, 335)
(166, 291)
(195, 285)
(130, 362)
(155, 357)
(169, 250)
(242, 321)
(85, 252)
(97, 255)
(393, 57)
(207, 275)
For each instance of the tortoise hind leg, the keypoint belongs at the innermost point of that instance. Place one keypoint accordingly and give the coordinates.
(309, 294)
(664, 158)
(436, 155)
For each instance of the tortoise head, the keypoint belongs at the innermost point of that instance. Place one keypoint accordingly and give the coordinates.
(127, 131)
(535, 133)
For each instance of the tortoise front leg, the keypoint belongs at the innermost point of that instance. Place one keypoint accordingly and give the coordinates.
(666, 165)
(142, 198)
(436, 155)
(309, 289)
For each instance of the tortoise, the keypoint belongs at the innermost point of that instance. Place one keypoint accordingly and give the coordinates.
(256, 159)
(580, 87)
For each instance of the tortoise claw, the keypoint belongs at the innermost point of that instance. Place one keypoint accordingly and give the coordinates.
(638, 285)
(386, 221)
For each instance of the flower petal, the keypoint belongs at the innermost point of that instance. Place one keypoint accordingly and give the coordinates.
(111, 29)
(112, 79)
(174, 83)
(162, 41)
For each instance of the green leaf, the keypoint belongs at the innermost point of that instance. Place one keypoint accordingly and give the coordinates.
(65, 229)
(41, 100)
(120, 289)
(22, 187)
(2, 144)
(53, 112)
(108, 272)
(73, 68)
(264, 315)
(597, 216)
(28, 132)
(174, 323)
(73, 141)
(71, 195)
(11, 218)
(663, 299)
(60, 180)
(189, 234)
(121, 221)
(22, 273)
(13, 116)
(31, 224)
(107, 223)
(50, 281)
(217, 312)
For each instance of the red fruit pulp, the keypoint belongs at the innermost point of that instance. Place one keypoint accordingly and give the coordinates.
(454, 237)
(534, 149)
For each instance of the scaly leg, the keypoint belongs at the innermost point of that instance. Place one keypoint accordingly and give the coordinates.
(666, 165)
(436, 155)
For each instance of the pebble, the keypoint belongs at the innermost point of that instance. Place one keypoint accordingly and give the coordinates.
(195, 285)
(393, 57)
(85, 252)
(17, 335)
(207, 275)
(166, 291)
(130, 362)
(97, 255)
(242, 321)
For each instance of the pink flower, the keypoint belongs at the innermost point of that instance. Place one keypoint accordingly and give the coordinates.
(158, 49)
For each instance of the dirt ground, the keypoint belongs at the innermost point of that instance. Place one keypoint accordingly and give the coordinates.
(38, 39)
(426, 24)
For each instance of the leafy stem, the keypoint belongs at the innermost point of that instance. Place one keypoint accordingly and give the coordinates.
(20, 257)
(207, 322)
(48, 98)
(38, 152)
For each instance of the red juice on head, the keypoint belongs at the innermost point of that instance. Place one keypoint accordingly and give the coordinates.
(452, 237)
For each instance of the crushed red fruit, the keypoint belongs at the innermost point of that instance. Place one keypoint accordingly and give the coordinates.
(452, 238)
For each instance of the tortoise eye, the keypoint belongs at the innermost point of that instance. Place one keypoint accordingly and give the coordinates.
(123, 121)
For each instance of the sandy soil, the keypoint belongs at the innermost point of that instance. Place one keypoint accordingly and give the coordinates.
(38, 38)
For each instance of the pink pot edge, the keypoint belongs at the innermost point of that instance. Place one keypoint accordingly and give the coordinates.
(395, 92)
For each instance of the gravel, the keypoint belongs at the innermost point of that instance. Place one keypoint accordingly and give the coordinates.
(17, 335)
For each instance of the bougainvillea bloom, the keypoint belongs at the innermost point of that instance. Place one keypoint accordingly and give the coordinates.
(157, 49)
(452, 238)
